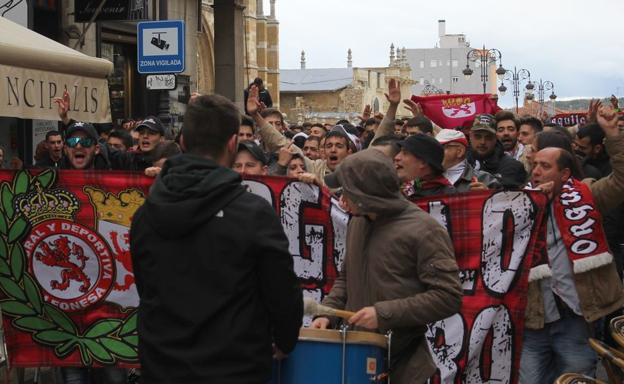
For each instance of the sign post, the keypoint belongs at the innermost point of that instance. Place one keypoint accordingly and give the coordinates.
(160, 46)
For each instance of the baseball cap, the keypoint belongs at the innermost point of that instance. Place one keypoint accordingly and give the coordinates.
(426, 148)
(450, 135)
(79, 126)
(253, 149)
(484, 122)
(153, 124)
(343, 132)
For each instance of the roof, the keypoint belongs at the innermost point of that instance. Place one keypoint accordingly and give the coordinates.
(23, 48)
(315, 80)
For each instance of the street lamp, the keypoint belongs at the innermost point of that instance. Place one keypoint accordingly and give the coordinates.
(485, 57)
(516, 76)
(542, 87)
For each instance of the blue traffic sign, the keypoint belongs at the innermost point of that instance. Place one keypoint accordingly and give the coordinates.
(160, 46)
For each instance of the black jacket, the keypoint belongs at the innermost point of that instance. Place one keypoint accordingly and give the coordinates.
(214, 277)
(47, 162)
(509, 171)
(129, 161)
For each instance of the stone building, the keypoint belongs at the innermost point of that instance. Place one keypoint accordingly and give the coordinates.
(256, 47)
(327, 95)
(439, 69)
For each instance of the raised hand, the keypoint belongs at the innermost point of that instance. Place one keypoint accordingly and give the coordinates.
(253, 101)
(614, 102)
(394, 92)
(413, 107)
(592, 111)
(366, 114)
(607, 118)
(285, 155)
(63, 106)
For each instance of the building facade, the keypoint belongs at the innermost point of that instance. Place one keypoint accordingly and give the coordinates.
(327, 95)
(259, 47)
(439, 69)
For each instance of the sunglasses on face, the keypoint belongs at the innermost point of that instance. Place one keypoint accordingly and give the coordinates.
(85, 142)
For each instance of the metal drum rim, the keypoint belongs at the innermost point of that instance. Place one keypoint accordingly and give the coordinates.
(334, 336)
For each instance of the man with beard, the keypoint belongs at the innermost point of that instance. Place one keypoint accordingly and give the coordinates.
(487, 154)
(507, 133)
(82, 150)
(589, 145)
(213, 272)
(572, 286)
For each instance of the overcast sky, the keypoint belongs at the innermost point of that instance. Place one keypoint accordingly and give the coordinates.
(576, 44)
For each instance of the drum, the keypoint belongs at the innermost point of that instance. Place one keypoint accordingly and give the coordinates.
(324, 356)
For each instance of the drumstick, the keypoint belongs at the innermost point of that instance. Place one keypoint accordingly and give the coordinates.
(312, 308)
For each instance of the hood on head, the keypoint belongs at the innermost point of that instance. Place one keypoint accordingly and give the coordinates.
(189, 191)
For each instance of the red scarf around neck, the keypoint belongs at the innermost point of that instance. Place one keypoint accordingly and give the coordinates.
(580, 225)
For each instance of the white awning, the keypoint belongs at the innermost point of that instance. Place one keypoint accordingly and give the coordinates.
(34, 70)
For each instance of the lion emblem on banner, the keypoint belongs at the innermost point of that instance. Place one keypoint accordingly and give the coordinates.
(59, 253)
(459, 107)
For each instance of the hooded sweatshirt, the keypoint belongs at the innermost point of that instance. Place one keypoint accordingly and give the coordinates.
(214, 277)
(402, 263)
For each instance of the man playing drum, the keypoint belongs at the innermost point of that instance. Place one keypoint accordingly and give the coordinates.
(399, 272)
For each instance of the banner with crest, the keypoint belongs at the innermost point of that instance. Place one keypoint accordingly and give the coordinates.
(70, 299)
(456, 110)
(65, 267)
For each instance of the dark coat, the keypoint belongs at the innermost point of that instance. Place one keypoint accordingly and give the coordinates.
(463, 183)
(509, 171)
(214, 276)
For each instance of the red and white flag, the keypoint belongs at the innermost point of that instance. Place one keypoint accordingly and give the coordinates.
(452, 111)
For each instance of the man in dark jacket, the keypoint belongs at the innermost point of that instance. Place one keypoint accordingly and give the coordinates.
(54, 147)
(420, 162)
(487, 154)
(399, 272)
(211, 262)
(457, 169)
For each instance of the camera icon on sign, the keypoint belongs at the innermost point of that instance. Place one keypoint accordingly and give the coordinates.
(160, 43)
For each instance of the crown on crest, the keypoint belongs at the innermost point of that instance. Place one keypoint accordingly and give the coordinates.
(117, 209)
(40, 205)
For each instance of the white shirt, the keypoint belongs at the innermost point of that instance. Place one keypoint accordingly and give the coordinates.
(454, 173)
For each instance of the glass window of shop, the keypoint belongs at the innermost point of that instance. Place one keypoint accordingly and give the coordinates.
(119, 82)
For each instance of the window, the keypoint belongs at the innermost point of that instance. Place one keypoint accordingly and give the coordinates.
(432, 80)
(422, 64)
(448, 63)
(455, 79)
(434, 63)
(455, 63)
(441, 80)
(422, 80)
(440, 63)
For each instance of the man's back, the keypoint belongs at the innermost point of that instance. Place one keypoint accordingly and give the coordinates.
(214, 276)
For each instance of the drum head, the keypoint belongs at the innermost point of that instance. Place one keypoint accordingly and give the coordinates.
(334, 336)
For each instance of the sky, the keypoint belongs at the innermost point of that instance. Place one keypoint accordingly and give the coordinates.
(576, 44)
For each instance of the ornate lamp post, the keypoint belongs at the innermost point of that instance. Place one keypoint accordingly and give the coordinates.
(484, 57)
(542, 87)
(516, 76)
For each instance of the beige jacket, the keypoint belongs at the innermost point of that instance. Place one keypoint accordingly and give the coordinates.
(273, 140)
(600, 290)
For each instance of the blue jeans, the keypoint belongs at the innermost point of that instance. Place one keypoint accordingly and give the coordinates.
(560, 347)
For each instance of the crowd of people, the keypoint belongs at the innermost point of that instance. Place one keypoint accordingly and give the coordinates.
(375, 165)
